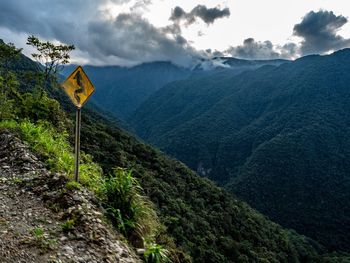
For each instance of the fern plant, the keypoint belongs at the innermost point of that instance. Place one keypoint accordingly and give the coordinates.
(156, 254)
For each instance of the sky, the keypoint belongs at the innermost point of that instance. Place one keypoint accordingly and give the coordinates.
(129, 32)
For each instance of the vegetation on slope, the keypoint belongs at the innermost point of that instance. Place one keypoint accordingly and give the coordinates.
(120, 193)
(276, 137)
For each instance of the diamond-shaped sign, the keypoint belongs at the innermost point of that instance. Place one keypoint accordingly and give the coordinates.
(78, 87)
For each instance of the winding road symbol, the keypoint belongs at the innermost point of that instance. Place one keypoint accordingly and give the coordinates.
(80, 84)
(78, 87)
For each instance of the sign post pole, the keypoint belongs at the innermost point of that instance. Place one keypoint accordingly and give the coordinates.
(79, 88)
(77, 143)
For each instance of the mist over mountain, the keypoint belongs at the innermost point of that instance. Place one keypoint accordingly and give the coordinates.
(276, 136)
(121, 90)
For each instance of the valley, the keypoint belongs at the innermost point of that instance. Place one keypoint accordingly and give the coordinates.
(275, 136)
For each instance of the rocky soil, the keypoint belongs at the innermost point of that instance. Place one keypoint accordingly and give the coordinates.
(43, 221)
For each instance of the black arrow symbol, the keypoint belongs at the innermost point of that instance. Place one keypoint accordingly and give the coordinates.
(81, 89)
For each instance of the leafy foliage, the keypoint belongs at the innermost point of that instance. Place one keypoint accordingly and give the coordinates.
(8, 52)
(8, 81)
(68, 225)
(51, 56)
(7, 103)
(156, 254)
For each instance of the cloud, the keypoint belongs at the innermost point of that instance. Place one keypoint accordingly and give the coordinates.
(208, 15)
(132, 37)
(214, 53)
(126, 39)
(319, 32)
(288, 51)
(252, 49)
(140, 4)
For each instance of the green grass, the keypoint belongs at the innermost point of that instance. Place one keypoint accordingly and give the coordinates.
(68, 225)
(73, 185)
(156, 254)
(55, 150)
(131, 212)
(38, 232)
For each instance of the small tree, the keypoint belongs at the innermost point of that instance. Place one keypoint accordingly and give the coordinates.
(8, 81)
(51, 56)
(8, 52)
(8, 86)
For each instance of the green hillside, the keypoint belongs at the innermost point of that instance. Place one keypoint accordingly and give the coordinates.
(277, 137)
(204, 220)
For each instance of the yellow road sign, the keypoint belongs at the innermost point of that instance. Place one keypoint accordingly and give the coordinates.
(78, 87)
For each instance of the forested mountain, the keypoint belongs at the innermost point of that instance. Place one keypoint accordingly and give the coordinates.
(121, 90)
(204, 220)
(278, 137)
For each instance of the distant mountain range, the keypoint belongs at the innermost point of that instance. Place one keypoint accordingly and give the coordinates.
(122, 90)
(277, 136)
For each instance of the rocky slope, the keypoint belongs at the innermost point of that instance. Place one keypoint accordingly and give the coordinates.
(43, 221)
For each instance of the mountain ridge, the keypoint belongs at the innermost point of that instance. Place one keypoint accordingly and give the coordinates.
(121, 90)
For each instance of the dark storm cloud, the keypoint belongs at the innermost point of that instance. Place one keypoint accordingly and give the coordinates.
(319, 32)
(208, 15)
(57, 18)
(128, 38)
(178, 13)
(214, 53)
(252, 49)
(289, 50)
(132, 37)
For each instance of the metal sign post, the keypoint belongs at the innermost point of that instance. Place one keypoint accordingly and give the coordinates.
(77, 143)
(79, 89)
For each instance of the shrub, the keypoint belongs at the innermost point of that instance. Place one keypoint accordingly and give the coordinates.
(68, 225)
(132, 212)
(73, 185)
(39, 107)
(7, 106)
(156, 254)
